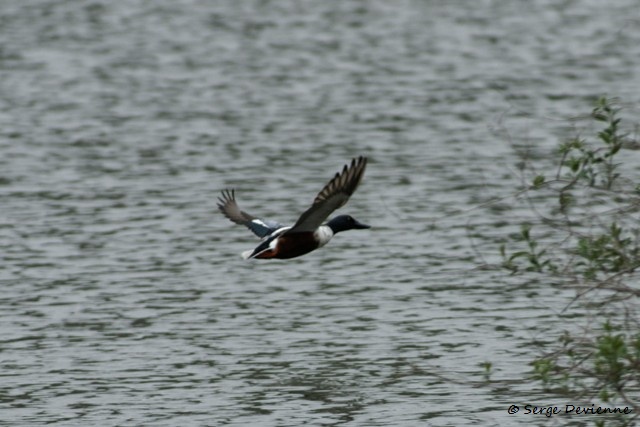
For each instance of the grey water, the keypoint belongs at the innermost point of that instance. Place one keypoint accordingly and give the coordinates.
(124, 299)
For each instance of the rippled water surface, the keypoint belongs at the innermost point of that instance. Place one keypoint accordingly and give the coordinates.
(124, 299)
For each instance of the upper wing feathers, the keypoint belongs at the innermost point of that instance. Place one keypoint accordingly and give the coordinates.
(228, 206)
(333, 196)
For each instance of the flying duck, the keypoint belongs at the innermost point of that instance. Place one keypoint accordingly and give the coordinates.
(309, 232)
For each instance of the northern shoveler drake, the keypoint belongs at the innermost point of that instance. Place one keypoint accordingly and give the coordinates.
(308, 233)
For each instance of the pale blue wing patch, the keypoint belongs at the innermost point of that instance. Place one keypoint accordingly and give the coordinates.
(229, 207)
(261, 227)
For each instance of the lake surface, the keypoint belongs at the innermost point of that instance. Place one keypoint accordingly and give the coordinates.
(124, 299)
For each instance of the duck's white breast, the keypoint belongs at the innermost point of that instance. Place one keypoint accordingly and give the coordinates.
(323, 234)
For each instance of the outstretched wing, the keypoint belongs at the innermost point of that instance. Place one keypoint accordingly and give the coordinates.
(333, 196)
(260, 227)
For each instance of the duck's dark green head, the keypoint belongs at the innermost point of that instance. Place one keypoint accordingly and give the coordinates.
(344, 223)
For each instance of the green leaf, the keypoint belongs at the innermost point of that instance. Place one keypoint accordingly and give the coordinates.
(538, 181)
(518, 254)
(599, 116)
(566, 200)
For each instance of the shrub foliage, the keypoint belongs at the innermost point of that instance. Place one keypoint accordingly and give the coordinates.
(589, 204)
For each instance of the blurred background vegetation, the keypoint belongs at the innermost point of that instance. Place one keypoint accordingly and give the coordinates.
(586, 236)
